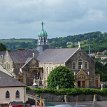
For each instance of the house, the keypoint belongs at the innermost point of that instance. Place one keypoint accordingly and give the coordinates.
(11, 91)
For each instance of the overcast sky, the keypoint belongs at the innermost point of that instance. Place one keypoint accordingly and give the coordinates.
(22, 18)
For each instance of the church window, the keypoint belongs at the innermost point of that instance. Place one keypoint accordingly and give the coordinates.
(86, 65)
(7, 94)
(80, 63)
(17, 94)
(73, 65)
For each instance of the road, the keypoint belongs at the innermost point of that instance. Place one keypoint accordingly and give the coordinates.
(88, 103)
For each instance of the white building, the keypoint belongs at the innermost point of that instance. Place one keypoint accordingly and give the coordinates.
(11, 91)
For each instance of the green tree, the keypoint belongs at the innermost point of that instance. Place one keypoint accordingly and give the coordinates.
(2, 47)
(60, 77)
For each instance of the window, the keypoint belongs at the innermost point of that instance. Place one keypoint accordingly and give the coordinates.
(17, 94)
(73, 65)
(7, 94)
(80, 63)
(86, 65)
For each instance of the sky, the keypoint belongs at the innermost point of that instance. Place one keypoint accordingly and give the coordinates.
(22, 18)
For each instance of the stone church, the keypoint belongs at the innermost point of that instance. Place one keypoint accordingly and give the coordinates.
(33, 66)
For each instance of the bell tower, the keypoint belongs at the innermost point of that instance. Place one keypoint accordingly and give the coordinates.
(42, 39)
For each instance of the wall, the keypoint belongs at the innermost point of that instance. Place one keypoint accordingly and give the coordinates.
(12, 91)
(47, 68)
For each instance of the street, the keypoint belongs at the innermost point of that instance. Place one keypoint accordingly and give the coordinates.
(87, 103)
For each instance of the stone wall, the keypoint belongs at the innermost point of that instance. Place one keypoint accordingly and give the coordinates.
(68, 98)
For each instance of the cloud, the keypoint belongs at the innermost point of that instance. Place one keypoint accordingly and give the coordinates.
(62, 17)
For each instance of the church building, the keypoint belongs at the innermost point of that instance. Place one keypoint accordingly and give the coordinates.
(34, 66)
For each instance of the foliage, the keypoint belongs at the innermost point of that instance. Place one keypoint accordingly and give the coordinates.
(13, 44)
(102, 70)
(71, 91)
(2, 47)
(60, 77)
(96, 40)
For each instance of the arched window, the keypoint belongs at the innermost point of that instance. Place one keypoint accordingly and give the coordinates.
(7, 95)
(86, 65)
(73, 65)
(80, 63)
(17, 94)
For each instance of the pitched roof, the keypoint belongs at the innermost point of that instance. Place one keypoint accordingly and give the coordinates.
(20, 56)
(5, 71)
(27, 61)
(8, 81)
(56, 55)
(2, 53)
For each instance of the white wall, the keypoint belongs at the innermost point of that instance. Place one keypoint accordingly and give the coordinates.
(48, 67)
(12, 91)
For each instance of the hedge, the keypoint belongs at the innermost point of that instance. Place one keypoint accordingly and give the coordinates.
(70, 91)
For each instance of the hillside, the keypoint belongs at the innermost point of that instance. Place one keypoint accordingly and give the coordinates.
(96, 40)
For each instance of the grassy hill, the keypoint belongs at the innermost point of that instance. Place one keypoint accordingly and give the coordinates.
(96, 40)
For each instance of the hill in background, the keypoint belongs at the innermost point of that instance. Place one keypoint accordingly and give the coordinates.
(96, 40)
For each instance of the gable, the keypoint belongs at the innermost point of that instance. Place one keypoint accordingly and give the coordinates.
(31, 62)
(7, 57)
(80, 54)
(82, 74)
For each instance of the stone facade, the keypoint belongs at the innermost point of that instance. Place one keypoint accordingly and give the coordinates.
(38, 68)
(81, 64)
(34, 66)
(83, 67)
(30, 71)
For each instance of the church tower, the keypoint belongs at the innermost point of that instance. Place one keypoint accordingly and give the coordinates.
(42, 40)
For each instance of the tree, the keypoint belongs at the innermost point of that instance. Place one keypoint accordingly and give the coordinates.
(2, 47)
(60, 77)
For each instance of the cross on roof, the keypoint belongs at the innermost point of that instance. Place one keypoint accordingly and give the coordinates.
(42, 25)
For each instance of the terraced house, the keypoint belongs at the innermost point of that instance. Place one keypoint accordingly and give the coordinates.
(34, 66)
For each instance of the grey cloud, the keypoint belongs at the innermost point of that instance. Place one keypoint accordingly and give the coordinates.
(62, 17)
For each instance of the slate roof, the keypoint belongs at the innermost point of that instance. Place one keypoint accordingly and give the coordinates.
(27, 61)
(5, 71)
(20, 56)
(56, 55)
(8, 81)
(2, 53)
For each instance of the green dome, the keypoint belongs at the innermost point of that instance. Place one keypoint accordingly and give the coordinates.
(43, 33)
